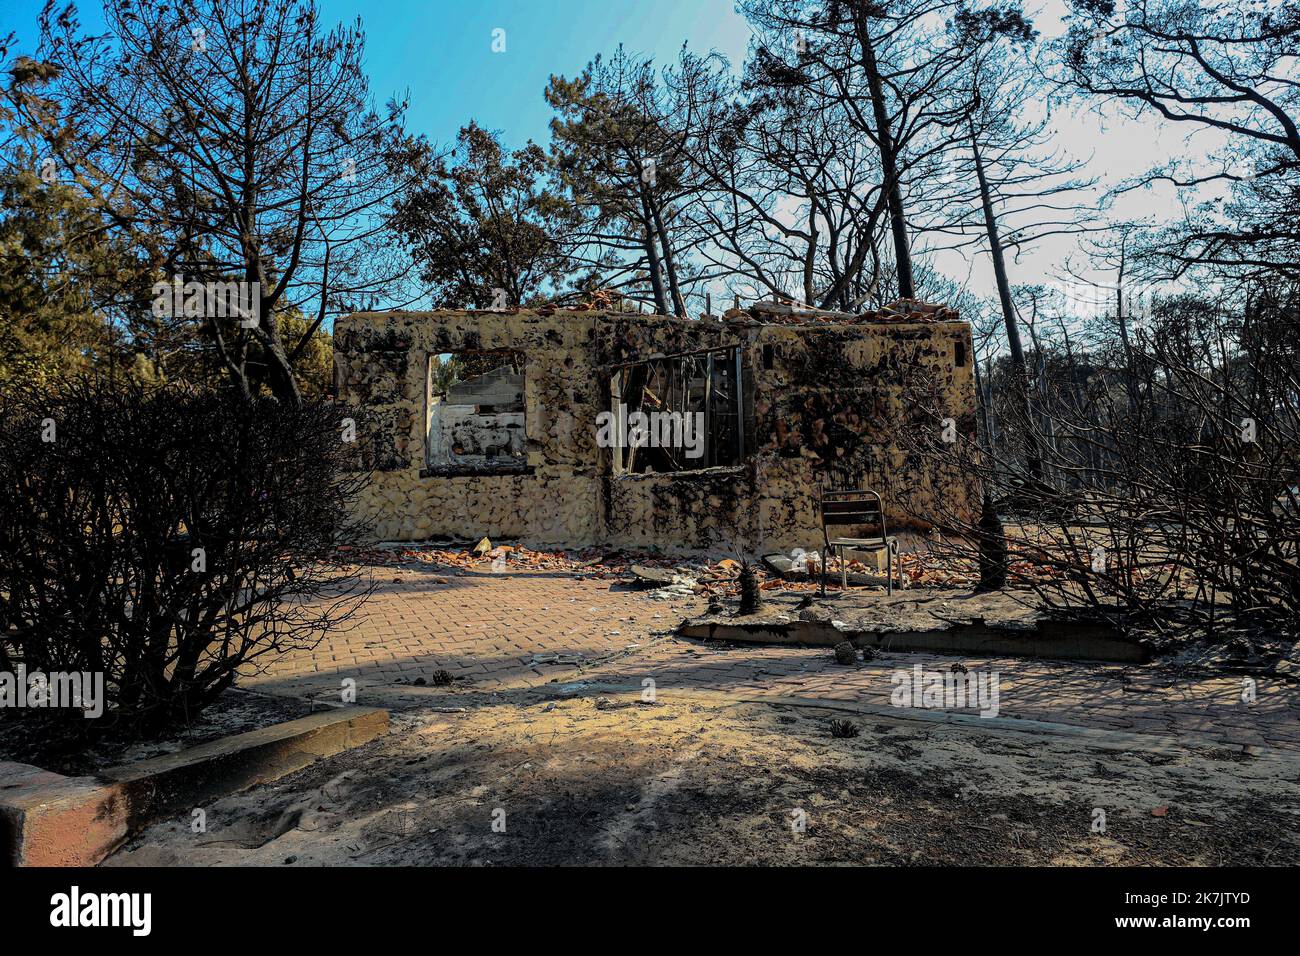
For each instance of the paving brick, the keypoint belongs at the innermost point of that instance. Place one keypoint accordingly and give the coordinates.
(504, 631)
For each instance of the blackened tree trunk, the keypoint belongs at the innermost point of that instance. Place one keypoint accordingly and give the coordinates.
(888, 156)
(1019, 367)
(652, 255)
(670, 267)
(992, 540)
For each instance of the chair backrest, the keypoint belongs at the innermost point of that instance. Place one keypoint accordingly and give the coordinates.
(859, 506)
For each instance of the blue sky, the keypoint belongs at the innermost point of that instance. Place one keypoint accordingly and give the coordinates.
(441, 50)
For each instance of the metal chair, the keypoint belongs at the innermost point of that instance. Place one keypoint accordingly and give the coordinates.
(856, 507)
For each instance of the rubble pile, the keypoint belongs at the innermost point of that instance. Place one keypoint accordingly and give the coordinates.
(661, 576)
(671, 576)
(590, 562)
(788, 313)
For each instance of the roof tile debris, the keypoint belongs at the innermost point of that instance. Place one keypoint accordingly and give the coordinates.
(703, 577)
(788, 313)
(776, 312)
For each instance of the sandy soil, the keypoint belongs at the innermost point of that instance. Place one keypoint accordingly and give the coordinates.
(697, 780)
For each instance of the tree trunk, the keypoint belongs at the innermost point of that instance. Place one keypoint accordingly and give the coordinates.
(888, 156)
(982, 404)
(1019, 368)
(666, 249)
(1130, 384)
(652, 256)
(279, 371)
(810, 255)
(992, 548)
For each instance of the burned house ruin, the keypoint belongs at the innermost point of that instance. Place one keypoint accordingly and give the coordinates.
(565, 428)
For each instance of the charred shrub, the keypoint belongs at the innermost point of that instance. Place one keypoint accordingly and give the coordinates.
(165, 538)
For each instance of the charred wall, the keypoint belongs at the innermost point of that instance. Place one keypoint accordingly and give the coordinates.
(824, 404)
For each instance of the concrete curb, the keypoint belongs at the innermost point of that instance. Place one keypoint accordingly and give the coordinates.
(1072, 642)
(47, 819)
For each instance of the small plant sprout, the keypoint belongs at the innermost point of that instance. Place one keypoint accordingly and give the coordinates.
(843, 729)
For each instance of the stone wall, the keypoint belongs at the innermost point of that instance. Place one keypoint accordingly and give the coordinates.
(824, 403)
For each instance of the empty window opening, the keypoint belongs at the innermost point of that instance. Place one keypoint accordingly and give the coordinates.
(476, 419)
(677, 413)
(959, 354)
(769, 357)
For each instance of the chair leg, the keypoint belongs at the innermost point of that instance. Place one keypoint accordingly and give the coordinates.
(824, 550)
(844, 572)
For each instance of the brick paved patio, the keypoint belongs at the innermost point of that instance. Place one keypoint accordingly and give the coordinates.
(493, 631)
(520, 629)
